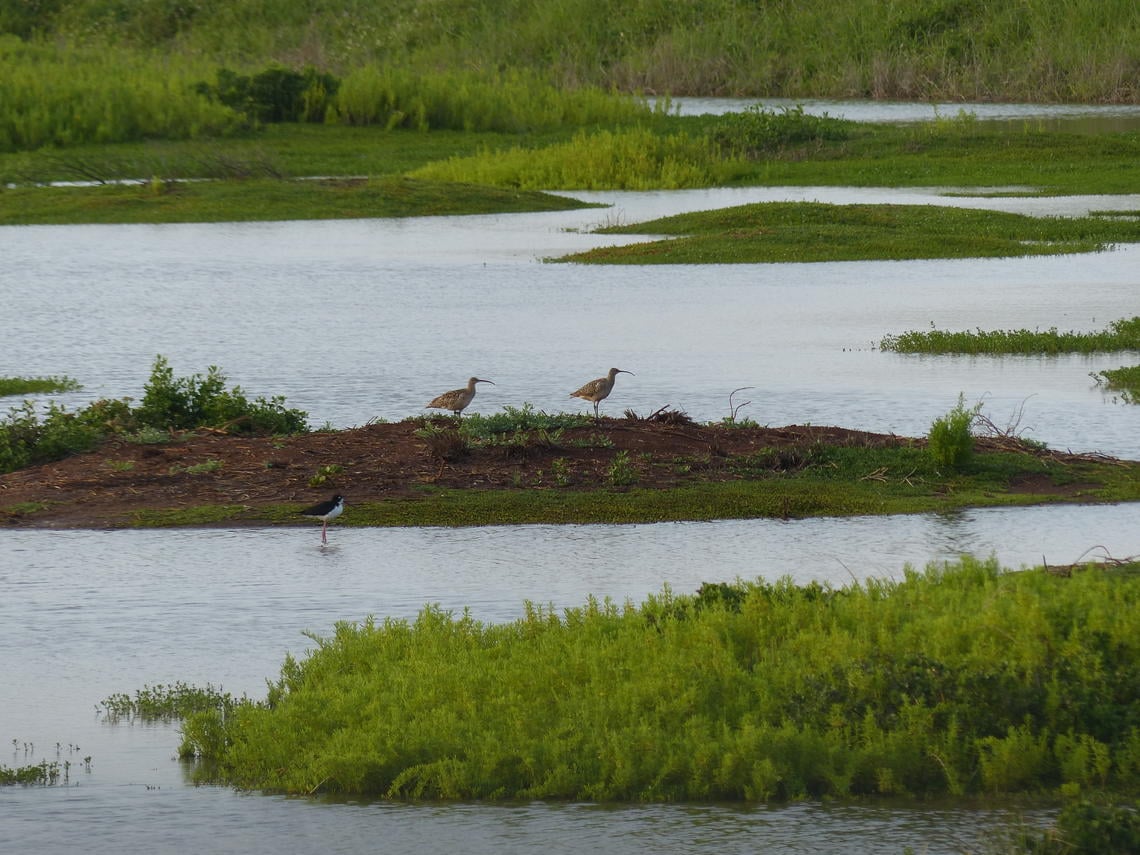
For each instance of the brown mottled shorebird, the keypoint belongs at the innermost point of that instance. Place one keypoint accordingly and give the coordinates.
(457, 399)
(598, 390)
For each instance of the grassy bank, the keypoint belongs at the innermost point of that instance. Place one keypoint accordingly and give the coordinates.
(804, 232)
(160, 201)
(1032, 50)
(660, 153)
(958, 680)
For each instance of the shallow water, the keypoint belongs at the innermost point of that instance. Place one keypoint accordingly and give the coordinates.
(370, 319)
(90, 613)
(358, 320)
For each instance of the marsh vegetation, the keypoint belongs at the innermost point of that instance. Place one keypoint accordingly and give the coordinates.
(958, 679)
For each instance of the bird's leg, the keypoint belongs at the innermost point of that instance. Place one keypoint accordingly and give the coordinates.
(324, 532)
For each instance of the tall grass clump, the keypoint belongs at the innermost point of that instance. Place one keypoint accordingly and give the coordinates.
(633, 158)
(933, 685)
(71, 96)
(1123, 334)
(950, 441)
(508, 102)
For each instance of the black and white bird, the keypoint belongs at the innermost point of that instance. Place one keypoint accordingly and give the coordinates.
(325, 512)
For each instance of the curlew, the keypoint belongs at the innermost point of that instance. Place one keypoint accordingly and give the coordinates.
(325, 512)
(457, 399)
(598, 390)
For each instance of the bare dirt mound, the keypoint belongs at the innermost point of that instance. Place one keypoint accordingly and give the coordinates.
(105, 487)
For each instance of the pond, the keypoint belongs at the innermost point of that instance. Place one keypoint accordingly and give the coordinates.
(87, 614)
(359, 320)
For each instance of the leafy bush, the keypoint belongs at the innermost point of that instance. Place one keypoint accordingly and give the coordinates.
(277, 94)
(186, 403)
(1087, 828)
(169, 403)
(757, 131)
(950, 441)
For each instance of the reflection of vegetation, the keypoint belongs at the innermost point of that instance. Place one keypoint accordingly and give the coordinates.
(36, 385)
(1125, 380)
(960, 679)
(1121, 334)
(169, 404)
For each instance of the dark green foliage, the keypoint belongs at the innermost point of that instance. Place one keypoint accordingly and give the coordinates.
(1087, 827)
(28, 437)
(757, 131)
(276, 94)
(44, 774)
(963, 679)
(186, 403)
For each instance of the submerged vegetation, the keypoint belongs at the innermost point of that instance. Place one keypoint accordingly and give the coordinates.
(169, 404)
(1121, 334)
(164, 703)
(958, 680)
(36, 385)
(1125, 380)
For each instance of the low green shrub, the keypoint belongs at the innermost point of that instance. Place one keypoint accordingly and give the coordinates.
(756, 132)
(186, 403)
(951, 441)
(28, 437)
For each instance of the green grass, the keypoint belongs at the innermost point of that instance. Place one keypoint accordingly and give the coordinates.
(657, 153)
(1046, 50)
(963, 679)
(807, 232)
(838, 482)
(36, 385)
(212, 201)
(1122, 334)
(1125, 380)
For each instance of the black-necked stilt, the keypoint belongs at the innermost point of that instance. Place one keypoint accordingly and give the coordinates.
(325, 511)
(457, 399)
(598, 390)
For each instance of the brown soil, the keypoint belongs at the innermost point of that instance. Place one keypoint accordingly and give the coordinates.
(105, 487)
